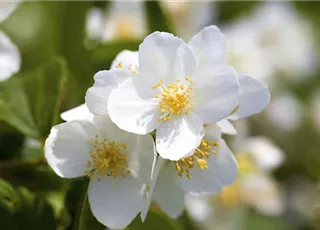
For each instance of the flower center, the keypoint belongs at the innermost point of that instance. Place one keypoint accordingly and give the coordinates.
(198, 159)
(174, 99)
(107, 158)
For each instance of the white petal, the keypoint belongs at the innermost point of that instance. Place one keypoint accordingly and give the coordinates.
(10, 58)
(162, 56)
(227, 127)
(6, 8)
(105, 82)
(80, 112)
(167, 194)
(208, 46)
(213, 132)
(254, 96)
(199, 207)
(221, 171)
(156, 168)
(266, 154)
(126, 58)
(132, 113)
(179, 137)
(142, 155)
(67, 148)
(115, 202)
(216, 92)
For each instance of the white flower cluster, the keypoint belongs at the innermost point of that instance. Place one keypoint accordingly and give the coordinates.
(185, 95)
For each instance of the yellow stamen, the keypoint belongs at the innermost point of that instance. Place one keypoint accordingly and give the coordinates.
(198, 159)
(107, 158)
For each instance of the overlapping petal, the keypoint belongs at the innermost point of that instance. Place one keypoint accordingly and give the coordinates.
(114, 202)
(126, 59)
(216, 93)
(80, 112)
(105, 82)
(221, 171)
(131, 112)
(208, 47)
(162, 56)
(254, 96)
(179, 137)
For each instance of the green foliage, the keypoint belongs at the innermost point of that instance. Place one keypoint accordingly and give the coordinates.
(239, 8)
(30, 102)
(21, 209)
(155, 220)
(255, 221)
(157, 20)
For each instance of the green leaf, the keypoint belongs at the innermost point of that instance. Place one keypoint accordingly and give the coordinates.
(234, 9)
(255, 221)
(155, 220)
(21, 209)
(30, 103)
(78, 206)
(156, 17)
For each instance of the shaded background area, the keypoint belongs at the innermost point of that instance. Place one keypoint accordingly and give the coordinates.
(49, 52)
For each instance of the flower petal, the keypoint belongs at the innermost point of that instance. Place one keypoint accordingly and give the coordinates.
(265, 153)
(156, 168)
(115, 202)
(126, 58)
(132, 113)
(221, 171)
(105, 82)
(162, 56)
(216, 92)
(167, 193)
(227, 127)
(179, 137)
(254, 96)
(208, 46)
(67, 148)
(6, 9)
(80, 112)
(10, 58)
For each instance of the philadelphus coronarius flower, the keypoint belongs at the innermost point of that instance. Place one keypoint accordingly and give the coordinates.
(176, 89)
(118, 164)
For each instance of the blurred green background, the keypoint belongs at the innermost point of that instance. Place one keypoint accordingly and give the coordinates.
(49, 52)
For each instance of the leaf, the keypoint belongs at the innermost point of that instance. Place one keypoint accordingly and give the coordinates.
(155, 220)
(255, 221)
(78, 206)
(157, 20)
(26, 210)
(30, 103)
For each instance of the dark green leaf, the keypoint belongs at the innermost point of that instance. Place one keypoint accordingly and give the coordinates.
(155, 220)
(31, 103)
(157, 20)
(20, 209)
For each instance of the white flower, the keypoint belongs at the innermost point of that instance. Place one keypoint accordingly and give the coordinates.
(124, 20)
(10, 60)
(178, 89)
(285, 112)
(187, 17)
(211, 167)
(286, 38)
(118, 164)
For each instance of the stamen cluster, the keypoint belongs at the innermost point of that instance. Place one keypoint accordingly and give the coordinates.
(183, 166)
(174, 99)
(107, 158)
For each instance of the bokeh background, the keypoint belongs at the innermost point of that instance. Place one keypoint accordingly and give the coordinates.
(49, 52)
